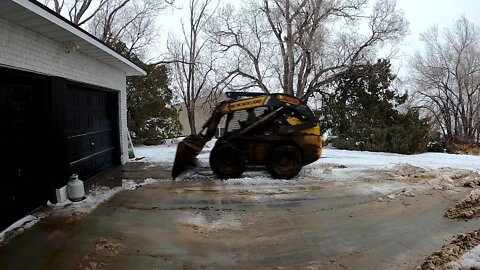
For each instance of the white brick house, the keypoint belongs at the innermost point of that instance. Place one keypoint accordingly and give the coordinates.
(62, 104)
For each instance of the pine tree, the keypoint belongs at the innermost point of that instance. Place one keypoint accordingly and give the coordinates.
(151, 116)
(362, 113)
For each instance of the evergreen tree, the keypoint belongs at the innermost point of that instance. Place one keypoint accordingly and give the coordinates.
(362, 114)
(151, 116)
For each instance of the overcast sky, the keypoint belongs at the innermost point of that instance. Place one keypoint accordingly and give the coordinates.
(421, 15)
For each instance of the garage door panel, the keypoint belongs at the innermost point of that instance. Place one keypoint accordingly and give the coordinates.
(18, 130)
(23, 131)
(89, 166)
(88, 144)
(3, 131)
(90, 127)
(3, 97)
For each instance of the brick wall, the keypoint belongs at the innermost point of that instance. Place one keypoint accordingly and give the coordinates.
(24, 49)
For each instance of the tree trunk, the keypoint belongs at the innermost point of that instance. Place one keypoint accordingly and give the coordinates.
(191, 120)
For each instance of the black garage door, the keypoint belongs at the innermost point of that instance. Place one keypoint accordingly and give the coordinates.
(51, 128)
(24, 145)
(90, 123)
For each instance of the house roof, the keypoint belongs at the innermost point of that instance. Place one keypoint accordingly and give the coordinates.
(39, 18)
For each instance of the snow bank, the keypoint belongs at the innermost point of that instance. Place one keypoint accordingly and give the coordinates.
(467, 207)
(469, 260)
(18, 227)
(458, 254)
(96, 196)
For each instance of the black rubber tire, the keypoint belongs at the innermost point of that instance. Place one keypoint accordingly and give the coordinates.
(227, 160)
(285, 161)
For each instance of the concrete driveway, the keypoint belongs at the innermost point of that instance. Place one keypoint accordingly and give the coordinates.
(215, 225)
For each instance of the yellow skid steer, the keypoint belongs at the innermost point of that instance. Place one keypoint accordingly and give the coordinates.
(273, 130)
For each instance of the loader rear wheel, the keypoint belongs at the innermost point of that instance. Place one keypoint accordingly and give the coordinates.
(285, 162)
(227, 160)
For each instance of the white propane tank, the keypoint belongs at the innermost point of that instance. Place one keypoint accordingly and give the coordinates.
(75, 189)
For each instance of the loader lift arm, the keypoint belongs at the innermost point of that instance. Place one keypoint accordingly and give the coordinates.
(278, 102)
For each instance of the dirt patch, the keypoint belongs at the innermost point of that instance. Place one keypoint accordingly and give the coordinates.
(75, 216)
(466, 149)
(442, 182)
(407, 170)
(468, 207)
(103, 254)
(442, 179)
(451, 252)
(466, 178)
(103, 244)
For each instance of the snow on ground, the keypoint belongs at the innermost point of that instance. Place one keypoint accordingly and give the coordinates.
(339, 165)
(370, 172)
(156, 154)
(165, 153)
(201, 222)
(18, 227)
(350, 159)
(388, 160)
(469, 260)
(96, 196)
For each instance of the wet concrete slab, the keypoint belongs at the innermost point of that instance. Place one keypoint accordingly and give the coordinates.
(215, 225)
(137, 171)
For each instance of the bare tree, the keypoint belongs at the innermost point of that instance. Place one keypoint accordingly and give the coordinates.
(447, 75)
(299, 46)
(191, 58)
(130, 22)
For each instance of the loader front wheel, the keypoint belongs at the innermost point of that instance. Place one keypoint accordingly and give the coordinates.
(227, 160)
(285, 162)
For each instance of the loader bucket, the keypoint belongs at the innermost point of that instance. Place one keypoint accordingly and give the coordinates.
(187, 151)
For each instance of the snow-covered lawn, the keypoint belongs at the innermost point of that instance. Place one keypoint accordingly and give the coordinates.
(165, 154)
(388, 160)
(156, 154)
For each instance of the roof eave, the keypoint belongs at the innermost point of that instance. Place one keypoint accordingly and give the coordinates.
(130, 68)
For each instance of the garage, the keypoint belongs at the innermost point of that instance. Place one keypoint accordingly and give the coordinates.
(62, 107)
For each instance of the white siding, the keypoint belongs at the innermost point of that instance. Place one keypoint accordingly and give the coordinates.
(122, 99)
(203, 110)
(24, 49)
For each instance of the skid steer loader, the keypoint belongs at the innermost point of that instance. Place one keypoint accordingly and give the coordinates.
(273, 130)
